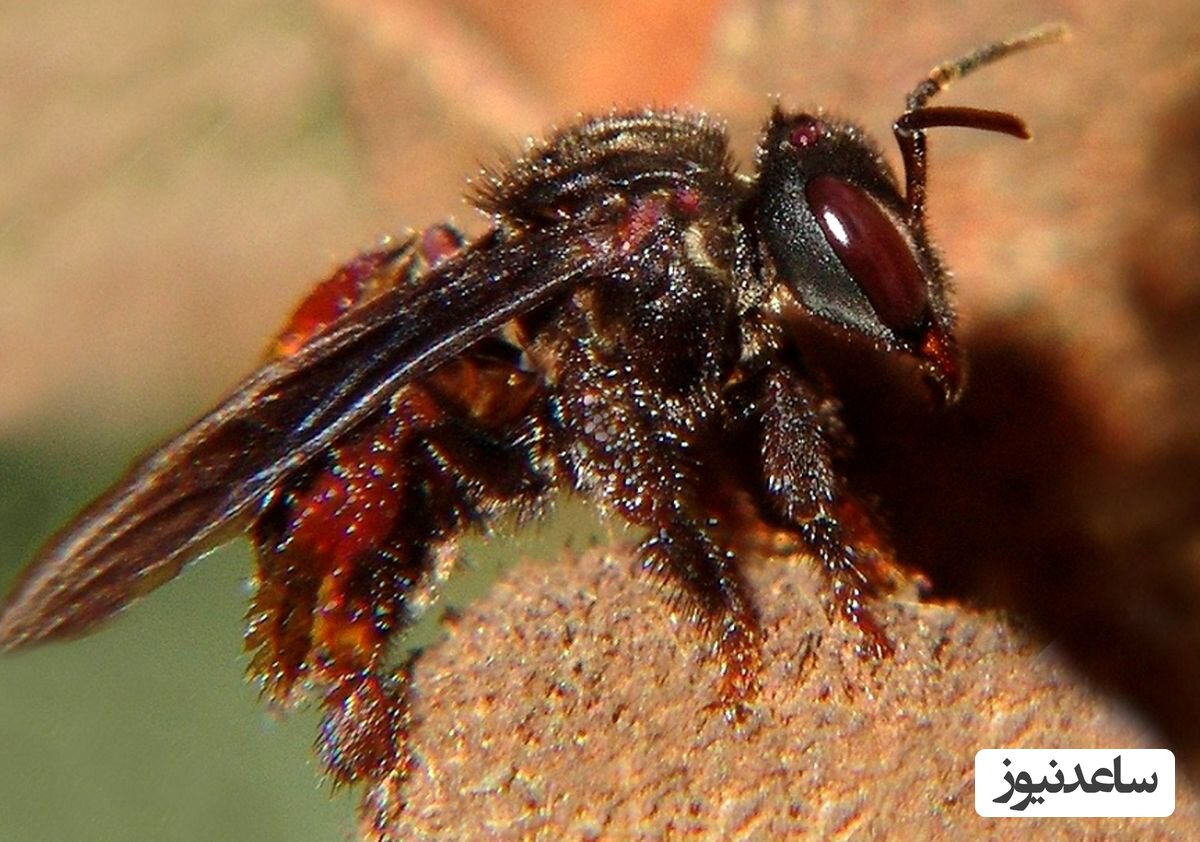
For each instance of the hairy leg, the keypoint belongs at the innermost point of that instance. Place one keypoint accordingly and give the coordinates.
(702, 579)
(349, 557)
(802, 492)
(626, 450)
(352, 551)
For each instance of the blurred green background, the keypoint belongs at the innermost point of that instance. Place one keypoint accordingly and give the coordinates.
(145, 730)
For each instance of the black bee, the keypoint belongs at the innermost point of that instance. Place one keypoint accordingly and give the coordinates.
(622, 330)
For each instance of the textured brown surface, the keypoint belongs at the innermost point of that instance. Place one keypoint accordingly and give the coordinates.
(568, 703)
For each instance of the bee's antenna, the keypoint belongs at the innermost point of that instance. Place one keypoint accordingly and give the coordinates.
(911, 125)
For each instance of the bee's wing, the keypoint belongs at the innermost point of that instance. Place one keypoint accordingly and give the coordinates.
(185, 497)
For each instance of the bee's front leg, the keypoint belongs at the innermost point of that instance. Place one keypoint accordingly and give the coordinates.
(803, 493)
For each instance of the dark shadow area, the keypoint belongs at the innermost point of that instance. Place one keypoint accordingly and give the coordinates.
(1017, 499)
(1009, 501)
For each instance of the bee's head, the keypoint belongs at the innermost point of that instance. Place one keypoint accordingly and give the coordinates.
(849, 242)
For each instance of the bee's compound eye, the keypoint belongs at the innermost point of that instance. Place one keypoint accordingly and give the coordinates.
(874, 252)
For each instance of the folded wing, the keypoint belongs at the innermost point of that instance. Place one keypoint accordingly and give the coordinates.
(189, 495)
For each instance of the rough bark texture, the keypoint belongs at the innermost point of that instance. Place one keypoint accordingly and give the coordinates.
(569, 704)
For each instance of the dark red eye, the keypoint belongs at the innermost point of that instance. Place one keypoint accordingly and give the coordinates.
(873, 251)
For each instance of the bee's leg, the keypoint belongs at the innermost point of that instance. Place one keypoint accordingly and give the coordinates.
(802, 492)
(637, 459)
(363, 735)
(334, 584)
(351, 554)
(702, 579)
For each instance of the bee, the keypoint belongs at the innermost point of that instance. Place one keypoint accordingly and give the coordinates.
(621, 331)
